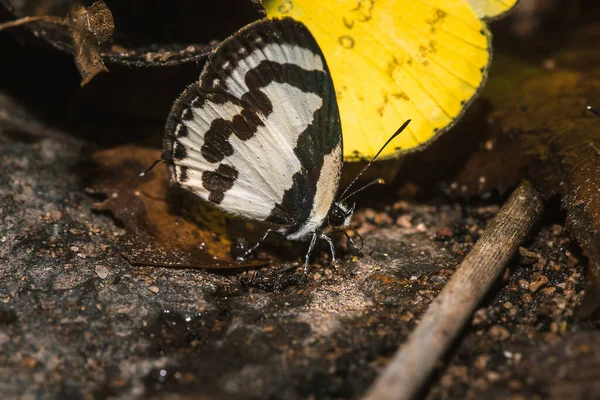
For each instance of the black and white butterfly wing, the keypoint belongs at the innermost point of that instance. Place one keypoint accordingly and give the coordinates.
(260, 134)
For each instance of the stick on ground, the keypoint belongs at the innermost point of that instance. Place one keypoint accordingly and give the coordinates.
(453, 307)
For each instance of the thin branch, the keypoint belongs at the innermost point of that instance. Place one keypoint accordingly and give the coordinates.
(27, 20)
(452, 308)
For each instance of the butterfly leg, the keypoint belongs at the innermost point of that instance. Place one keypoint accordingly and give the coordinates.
(251, 249)
(351, 241)
(331, 247)
(311, 246)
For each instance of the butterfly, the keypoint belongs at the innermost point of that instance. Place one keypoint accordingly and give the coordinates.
(390, 59)
(259, 135)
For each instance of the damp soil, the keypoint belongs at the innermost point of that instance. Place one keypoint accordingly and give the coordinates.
(84, 316)
(78, 321)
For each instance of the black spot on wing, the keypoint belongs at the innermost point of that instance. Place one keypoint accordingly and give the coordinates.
(219, 98)
(197, 102)
(180, 152)
(216, 141)
(219, 181)
(272, 71)
(181, 131)
(245, 125)
(257, 98)
(187, 114)
(183, 174)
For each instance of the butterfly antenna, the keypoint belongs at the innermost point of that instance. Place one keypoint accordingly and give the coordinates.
(595, 111)
(377, 181)
(152, 166)
(399, 131)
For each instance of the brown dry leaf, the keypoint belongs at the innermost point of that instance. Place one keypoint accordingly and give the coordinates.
(547, 134)
(157, 232)
(565, 141)
(85, 27)
(89, 27)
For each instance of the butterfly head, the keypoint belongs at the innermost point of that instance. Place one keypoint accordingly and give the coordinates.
(340, 214)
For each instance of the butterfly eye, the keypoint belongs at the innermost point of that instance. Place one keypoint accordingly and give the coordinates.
(337, 215)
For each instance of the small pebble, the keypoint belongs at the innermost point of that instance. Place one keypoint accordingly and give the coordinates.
(101, 271)
(401, 206)
(479, 317)
(537, 281)
(527, 298)
(481, 362)
(118, 49)
(407, 316)
(444, 233)
(561, 303)
(404, 221)
(28, 362)
(499, 333)
(516, 358)
(529, 257)
(383, 219)
(554, 266)
(549, 290)
(523, 284)
(480, 384)
(166, 55)
(493, 376)
(446, 381)
(514, 384)
(557, 229)
(154, 289)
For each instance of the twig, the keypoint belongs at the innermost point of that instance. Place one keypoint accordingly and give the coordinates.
(452, 308)
(27, 20)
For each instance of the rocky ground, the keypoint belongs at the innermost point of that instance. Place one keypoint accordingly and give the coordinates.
(78, 321)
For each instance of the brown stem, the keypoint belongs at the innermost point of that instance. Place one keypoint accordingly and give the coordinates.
(27, 20)
(452, 308)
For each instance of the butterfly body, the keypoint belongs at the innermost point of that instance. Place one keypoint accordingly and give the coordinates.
(259, 135)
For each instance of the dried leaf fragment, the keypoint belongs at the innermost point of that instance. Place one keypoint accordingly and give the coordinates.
(87, 28)
(158, 232)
